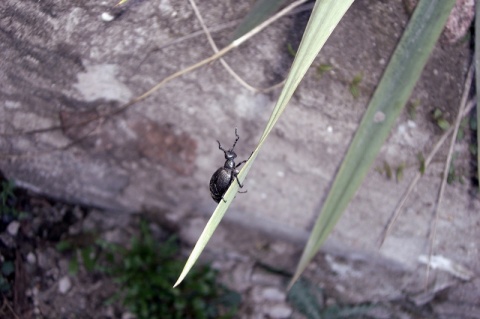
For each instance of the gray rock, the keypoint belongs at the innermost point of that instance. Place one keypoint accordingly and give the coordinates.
(240, 276)
(64, 285)
(273, 294)
(261, 277)
(279, 311)
(128, 315)
(8, 240)
(13, 228)
(31, 258)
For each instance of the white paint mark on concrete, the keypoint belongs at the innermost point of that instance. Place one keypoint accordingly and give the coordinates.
(442, 263)
(12, 104)
(107, 17)
(31, 258)
(13, 227)
(64, 285)
(100, 82)
(73, 20)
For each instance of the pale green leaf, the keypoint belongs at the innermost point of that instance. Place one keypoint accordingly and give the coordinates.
(260, 11)
(390, 97)
(325, 16)
(477, 76)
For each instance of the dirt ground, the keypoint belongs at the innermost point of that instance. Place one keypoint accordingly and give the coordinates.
(43, 285)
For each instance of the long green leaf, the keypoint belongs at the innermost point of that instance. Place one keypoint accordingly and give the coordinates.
(477, 77)
(325, 17)
(387, 102)
(261, 10)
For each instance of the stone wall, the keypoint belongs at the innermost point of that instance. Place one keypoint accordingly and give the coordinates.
(64, 66)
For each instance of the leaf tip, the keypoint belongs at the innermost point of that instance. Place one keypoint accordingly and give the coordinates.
(294, 279)
(178, 282)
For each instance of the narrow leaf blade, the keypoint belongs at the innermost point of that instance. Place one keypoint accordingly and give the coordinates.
(260, 11)
(390, 97)
(477, 77)
(325, 16)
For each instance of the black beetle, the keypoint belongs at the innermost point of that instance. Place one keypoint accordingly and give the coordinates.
(224, 176)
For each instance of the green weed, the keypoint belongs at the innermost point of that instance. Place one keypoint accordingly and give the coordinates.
(146, 272)
(8, 202)
(291, 50)
(323, 68)
(440, 120)
(412, 108)
(355, 85)
(304, 297)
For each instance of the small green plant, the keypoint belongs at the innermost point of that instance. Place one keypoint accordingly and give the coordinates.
(412, 108)
(421, 161)
(323, 68)
(453, 174)
(8, 209)
(399, 172)
(7, 191)
(355, 85)
(304, 297)
(6, 270)
(463, 129)
(440, 120)
(84, 250)
(6, 198)
(146, 272)
(291, 50)
(473, 148)
(388, 170)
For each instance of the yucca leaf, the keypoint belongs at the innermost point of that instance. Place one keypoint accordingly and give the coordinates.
(477, 77)
(260, 11)
(390, 97)
(325, 16)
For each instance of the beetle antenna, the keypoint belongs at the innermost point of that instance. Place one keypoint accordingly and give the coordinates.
(236, 140)
(220, 147)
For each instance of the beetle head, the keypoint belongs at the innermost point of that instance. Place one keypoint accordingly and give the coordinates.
(230, 155)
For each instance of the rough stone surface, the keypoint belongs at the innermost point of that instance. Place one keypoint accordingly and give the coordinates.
(64, 66)
(12, 228)
(64, 285)
(342, 284)
(279, 311)
(31, 258)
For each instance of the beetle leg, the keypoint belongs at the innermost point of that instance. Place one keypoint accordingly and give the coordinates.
(240, 186)
(238, 182)
(240, 163)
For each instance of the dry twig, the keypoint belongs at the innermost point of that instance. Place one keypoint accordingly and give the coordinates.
(464, 110)
(466, 91)
(156, 87)
(222, 61)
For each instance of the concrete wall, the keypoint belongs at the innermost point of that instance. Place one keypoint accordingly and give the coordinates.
(62, 64)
